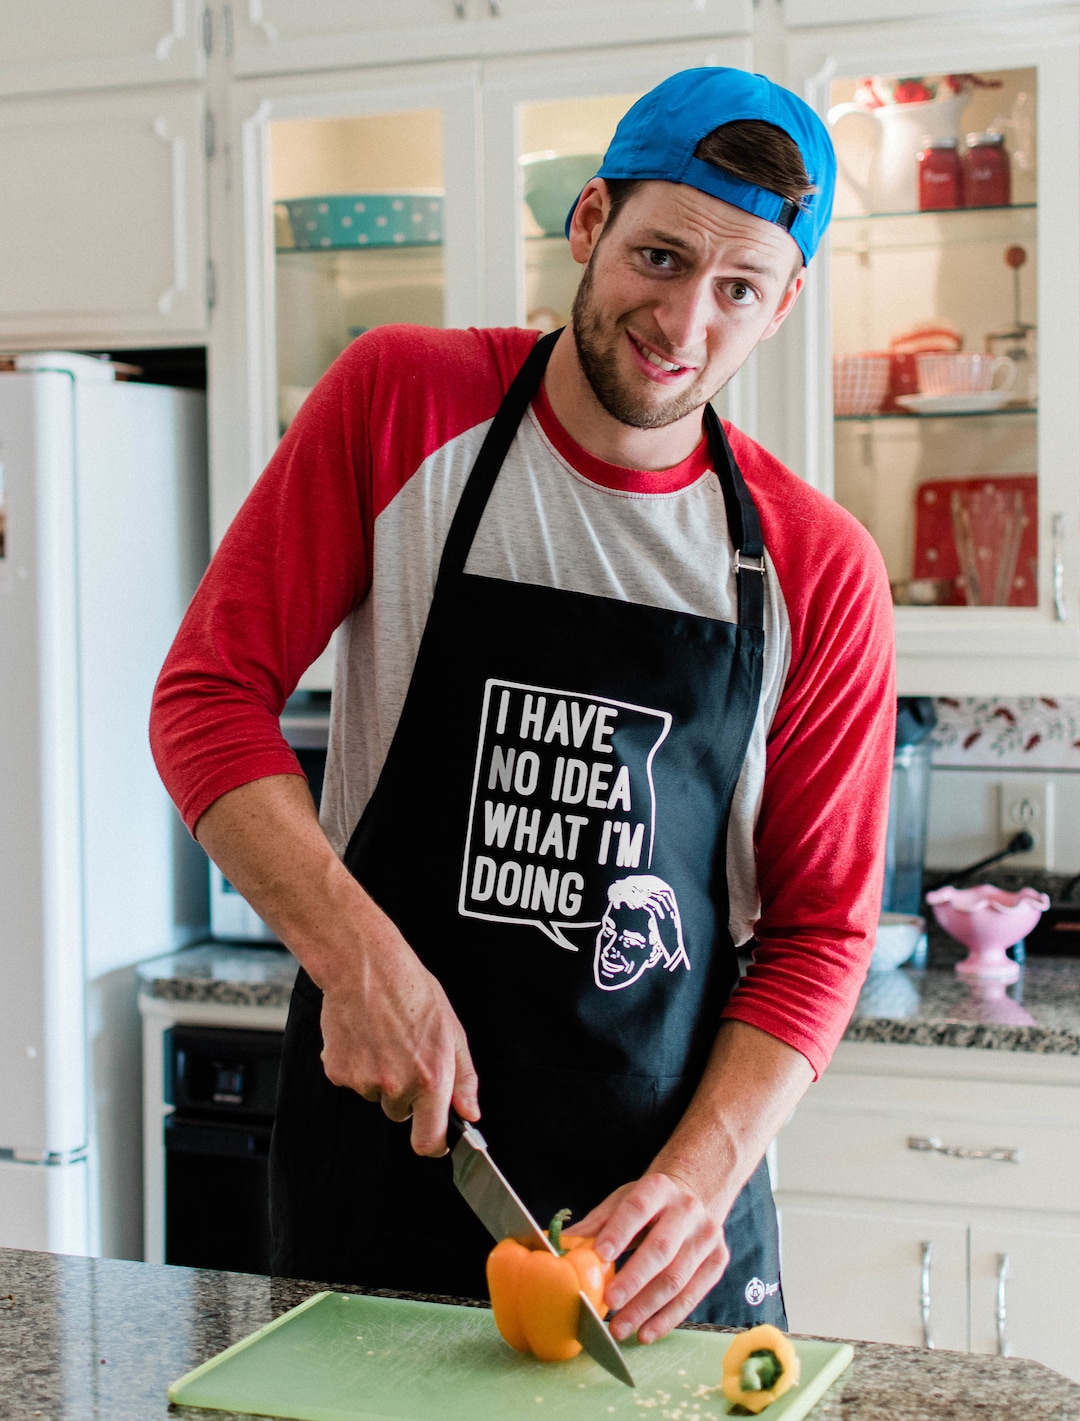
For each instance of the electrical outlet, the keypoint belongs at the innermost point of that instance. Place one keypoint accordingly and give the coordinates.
(1028, 804)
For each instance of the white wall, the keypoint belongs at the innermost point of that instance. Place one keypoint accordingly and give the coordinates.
(964, 816)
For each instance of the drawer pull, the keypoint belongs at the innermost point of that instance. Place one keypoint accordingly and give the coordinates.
(933, 1145)
(924, 1295)
(1000, 1314)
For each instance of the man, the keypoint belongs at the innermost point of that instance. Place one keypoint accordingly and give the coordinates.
(589, 637)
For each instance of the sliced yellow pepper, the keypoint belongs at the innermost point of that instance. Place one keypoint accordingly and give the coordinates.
(534, 1294)
(759, 1367)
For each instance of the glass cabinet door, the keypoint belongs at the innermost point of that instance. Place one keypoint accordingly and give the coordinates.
(547, 124)
(563, 143)
(357, 206)
(358, 225)
(940, 400)
(935, 364)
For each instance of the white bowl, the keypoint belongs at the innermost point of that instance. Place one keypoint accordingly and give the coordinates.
(890, 994)
(898, 935)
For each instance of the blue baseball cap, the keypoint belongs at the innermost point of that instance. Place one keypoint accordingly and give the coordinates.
(657, 137)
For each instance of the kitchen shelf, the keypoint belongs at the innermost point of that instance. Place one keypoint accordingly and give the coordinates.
(952, 227)
(958, 414)
(946, 212)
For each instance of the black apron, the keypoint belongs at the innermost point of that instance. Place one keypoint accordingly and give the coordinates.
(549, 834)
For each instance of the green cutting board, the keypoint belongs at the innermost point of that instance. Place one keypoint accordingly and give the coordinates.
(342, 1357)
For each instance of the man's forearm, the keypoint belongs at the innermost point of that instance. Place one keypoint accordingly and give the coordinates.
(673, 1216)
(750, 1086)
(389, 1031)
(266, 839)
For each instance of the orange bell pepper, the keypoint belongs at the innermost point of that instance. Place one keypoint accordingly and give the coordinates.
(534, 1294)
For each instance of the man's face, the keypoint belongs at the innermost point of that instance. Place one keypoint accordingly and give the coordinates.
(680, 278)
(626, 944)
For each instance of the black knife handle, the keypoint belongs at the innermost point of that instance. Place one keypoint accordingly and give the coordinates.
(455, 1128)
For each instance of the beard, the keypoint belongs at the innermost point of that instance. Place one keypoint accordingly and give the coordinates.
(596, 349)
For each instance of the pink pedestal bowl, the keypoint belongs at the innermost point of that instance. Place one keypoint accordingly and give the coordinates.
(990, 1002)
(988, 921)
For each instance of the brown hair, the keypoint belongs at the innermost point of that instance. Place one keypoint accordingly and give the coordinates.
(751, 149)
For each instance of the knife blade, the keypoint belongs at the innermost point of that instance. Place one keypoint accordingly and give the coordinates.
(493, 1200)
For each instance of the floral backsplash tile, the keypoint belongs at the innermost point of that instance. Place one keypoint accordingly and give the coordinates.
(1020, 731)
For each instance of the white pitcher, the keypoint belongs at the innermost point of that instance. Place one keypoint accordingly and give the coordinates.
(876, 149)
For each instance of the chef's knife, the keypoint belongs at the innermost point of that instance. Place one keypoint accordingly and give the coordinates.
(489, 1194)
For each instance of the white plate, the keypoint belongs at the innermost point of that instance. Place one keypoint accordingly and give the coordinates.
(956, 404)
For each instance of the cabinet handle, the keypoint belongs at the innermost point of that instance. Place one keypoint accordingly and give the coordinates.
(1000, 1312)
(495, 6)
(933, 1145)
(1058, 529)
(924, 1296)
(459, 9)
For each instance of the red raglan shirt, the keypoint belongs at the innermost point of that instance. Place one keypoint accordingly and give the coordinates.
(344, 531)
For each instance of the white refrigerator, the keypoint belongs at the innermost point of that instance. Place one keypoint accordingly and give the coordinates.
(102, 540)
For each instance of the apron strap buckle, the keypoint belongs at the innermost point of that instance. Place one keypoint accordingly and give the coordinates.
(749, 563)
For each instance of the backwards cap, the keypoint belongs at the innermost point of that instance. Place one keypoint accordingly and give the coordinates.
(657, 137)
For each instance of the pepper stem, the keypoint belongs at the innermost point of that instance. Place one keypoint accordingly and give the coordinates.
(555, 1231)
(760, 1371)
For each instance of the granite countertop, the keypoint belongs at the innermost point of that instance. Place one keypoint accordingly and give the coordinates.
(85, 1339)
(233, 974)
(934, 1007)
(928, 1006)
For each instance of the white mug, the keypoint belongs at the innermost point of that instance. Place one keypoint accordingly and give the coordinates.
(964, 373)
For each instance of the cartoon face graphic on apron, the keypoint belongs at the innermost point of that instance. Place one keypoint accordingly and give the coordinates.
(549, 834)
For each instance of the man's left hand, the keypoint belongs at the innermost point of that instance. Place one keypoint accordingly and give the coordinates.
(679, 1253)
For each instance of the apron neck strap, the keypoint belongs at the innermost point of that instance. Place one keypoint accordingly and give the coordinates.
(743, 523)
(744, 527)
(493, 451)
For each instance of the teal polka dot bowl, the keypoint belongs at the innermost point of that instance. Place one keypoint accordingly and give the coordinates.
(363, 219)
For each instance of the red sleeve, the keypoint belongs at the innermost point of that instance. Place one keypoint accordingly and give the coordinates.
(297, 557)
(821, 830)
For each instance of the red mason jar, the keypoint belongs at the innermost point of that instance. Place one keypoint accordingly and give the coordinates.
(939, 175)
(985, 171)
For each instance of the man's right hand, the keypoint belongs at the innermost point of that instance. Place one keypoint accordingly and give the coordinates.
(389, 1031)
(390, 1034)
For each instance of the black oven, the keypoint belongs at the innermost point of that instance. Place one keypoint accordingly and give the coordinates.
(222, 1083)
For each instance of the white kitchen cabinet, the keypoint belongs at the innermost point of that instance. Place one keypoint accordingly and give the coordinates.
(94, 44)
(885, 270)
(1025, 1290)
(104, 233)
(973, 1152)
(288, 36)
(881, 1274)
(852, 12)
